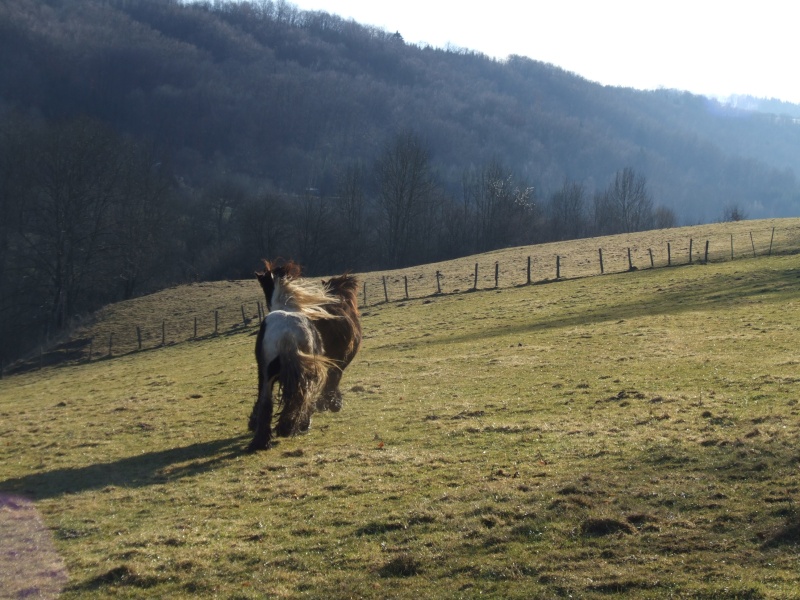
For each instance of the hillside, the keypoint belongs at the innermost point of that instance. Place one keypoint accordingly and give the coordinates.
(149, 143)
(285, 97)
(640, 427)
(203, 310)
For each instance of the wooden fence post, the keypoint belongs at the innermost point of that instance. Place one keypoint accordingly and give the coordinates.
(706, 255)
(365, 293)
(529, 270)
(753, 244)
(770, 241)
(139, 336)
(690, 250)
(496, 274)
(652, 262)
(731, 246)
(600, 252)
(405, 282)
(385, 290)
(558, 267)
(195, 328)
(438, 284)
(630, 262)
(475, 285)
(163, 333)
(244, 318)
(669, 255)
(216, 322)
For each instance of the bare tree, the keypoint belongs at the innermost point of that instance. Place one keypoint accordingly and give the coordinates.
(312, 216)
(350, 217)
(503, 208)
(222, 199)
(568, 212)
(262, 223)
(664, 218)
(140, 219)
(405, 188)
(75, 176)
(625, 206)
(734, 212)
(631, 201)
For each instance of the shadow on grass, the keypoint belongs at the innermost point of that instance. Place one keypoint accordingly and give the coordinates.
(150, 468)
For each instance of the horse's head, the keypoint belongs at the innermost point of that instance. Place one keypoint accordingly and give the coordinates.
(287, 270)
(274, 271)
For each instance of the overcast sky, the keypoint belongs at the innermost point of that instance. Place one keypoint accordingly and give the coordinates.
(702, 46)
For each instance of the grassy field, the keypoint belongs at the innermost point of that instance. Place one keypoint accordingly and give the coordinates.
(633, 435)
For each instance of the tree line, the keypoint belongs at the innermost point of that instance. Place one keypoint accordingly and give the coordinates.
(89, 216)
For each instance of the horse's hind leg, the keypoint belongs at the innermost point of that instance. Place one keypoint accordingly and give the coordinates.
(251, 424)
(262, 412)
(262, 437)
(331, 397)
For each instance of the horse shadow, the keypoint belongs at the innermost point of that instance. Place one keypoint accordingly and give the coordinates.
(151, 468)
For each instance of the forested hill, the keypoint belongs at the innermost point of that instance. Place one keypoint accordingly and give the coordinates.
(289, 97)
(151, 142)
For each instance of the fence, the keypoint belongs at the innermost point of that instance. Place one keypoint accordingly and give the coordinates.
(575, 259)
(503, 268)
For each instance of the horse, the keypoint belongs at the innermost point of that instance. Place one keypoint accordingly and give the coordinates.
(289, 352)
(341, 336)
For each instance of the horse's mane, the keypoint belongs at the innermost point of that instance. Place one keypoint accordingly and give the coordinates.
(344, 287)
(306, 297)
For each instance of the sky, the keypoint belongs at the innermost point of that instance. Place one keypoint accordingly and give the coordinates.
(711, 47)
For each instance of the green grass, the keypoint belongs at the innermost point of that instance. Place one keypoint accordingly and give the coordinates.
(633, 435)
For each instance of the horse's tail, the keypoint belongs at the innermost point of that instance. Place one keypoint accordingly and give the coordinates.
(302, 377)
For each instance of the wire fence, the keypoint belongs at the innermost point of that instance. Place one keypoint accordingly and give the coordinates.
(499, 269)
(576, 259)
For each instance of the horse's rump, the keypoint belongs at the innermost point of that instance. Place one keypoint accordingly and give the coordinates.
(341, 335)
(290, 339)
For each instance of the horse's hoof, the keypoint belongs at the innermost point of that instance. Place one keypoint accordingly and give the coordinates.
(331, 402)
(284, 430)
(304, 426)
(255, 446)
(335, 402)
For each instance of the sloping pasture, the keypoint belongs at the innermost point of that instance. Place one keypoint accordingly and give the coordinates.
(198, 311)
(628, 435)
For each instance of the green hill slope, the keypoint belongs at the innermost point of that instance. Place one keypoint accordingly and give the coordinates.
(639, 427)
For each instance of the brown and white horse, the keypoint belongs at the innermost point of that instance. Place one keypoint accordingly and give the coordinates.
(310, 334)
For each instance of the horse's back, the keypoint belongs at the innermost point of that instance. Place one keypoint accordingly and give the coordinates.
(286, 329)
